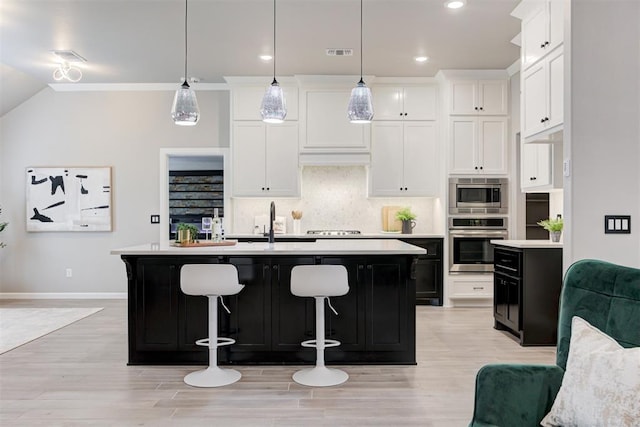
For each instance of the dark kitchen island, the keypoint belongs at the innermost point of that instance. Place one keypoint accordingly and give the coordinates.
(375, 322)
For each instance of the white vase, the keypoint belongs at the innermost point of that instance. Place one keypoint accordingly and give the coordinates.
(297, 226)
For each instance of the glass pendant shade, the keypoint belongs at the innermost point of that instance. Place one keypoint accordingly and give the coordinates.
(360, 108)
(185, 111)
(273, 108)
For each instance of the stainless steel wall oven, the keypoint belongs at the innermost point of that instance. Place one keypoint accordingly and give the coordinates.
(470, 250)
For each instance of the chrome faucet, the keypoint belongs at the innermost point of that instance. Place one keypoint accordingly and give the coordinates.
(272, 219)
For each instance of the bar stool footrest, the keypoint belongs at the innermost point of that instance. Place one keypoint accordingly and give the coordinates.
(327, 343)
(221, 342)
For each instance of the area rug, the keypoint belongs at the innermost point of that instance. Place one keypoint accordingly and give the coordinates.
(19, 326)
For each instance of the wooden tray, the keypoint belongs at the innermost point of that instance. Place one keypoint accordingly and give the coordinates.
(204, 243)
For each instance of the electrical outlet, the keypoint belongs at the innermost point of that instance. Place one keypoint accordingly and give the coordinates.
(69, 272)
(155, 219)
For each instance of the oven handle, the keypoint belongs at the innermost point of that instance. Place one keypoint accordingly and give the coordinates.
(478, 233)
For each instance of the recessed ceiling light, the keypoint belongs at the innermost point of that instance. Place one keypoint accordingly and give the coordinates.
(455, 4)
(266, 57)
(421, 58)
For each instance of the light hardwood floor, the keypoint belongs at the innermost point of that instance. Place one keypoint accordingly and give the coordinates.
(78, 376)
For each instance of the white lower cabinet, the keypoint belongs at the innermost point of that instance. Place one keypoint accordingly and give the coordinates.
(265, 159)
(541, 167)
(478, 145)
(404, 159)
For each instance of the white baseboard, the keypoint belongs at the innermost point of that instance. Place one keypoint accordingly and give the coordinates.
(63, 295)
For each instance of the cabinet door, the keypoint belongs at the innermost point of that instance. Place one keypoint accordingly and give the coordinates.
(348, 326)
(249, 322)
(513, 304)
(428, 280)
(493, 143)
(282, 172)
(387, 103)
(543, 163)
(157, 306)
(246, 101)
(555, 88)
(288, 335)
(386, 171)
(421, 161)
(534, 100)
(420, 102)
(534, 35)
(528, 165)
(556, 23)
(464, 145)
(493, 96)
(386, 294)
(464, 97)
(248, 158)
(500, 298)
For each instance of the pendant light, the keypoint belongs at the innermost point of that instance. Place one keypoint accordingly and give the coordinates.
(360, 108)
(185, 111)
(273, 108)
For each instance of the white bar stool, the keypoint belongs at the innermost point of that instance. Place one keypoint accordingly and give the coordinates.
(320, 282)
(212, 281)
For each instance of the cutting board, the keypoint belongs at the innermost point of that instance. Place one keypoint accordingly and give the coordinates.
(389, 221)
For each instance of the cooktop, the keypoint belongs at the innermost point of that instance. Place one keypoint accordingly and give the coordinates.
(333, 232)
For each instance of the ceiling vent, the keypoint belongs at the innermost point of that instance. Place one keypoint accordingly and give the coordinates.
(340, 52)
(68, 56)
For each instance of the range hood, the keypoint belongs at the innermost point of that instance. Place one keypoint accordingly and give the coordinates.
(334, 159)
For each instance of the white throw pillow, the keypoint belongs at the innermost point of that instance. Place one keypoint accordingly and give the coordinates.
(601, 386)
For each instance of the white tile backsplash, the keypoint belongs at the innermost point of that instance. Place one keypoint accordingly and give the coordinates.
(334, 197)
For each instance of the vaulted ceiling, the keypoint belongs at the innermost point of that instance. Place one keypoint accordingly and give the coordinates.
(142, 41)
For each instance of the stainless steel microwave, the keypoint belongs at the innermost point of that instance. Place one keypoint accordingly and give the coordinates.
(478, 196)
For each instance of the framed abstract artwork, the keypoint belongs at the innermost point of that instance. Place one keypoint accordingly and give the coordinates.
(68, 199)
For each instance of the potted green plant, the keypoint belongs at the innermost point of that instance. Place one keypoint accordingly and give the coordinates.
(186, 233)
(407, 217)
(3, 225)
(553, 226)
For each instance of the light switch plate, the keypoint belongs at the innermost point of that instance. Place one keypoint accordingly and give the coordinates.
(617, 224)
(155, 219)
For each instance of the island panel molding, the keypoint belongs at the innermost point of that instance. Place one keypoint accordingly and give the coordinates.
(376, 321)
(68, 198)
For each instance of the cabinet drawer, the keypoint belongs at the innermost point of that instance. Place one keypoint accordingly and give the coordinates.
(508, 262)
(472, 289)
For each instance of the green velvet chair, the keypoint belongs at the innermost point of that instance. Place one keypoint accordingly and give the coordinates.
(605, 295)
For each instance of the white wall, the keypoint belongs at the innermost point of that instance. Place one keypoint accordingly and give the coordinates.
(602, 134)
(124, 130)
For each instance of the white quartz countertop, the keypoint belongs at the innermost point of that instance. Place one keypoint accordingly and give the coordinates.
(381, 235)
(526, 244)
(319, 247)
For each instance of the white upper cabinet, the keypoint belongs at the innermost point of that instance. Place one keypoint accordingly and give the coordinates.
(246, 101)
(478, 145)
(405, 103)
(540, 166)
(543, 96)
(265, 159)
(479, 97)
(325, 126)
(404, 159)
(542, 30)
